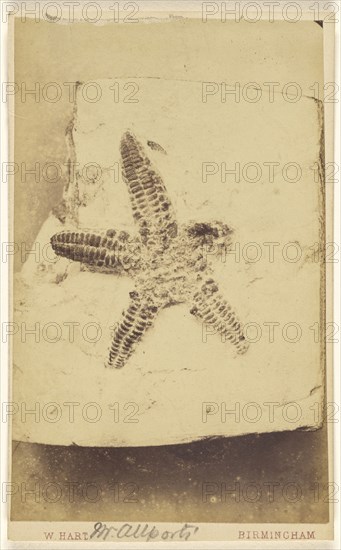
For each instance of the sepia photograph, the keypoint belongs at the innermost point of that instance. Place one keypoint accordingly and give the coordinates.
(170, 254)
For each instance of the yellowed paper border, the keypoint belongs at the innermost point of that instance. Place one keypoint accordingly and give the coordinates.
(221, 532)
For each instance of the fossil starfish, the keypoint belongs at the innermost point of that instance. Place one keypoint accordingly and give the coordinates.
(167, 262)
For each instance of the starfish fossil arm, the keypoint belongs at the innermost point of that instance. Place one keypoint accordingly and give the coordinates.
(152, 208)
(135, 321)
(206, 235)
(110, 250)
(210, 306)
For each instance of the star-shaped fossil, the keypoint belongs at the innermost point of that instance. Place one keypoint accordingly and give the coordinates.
(167, 262)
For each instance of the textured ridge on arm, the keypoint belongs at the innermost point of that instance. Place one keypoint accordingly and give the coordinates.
(213, 309)
(152, 208)
(135, 321)
(109, 249)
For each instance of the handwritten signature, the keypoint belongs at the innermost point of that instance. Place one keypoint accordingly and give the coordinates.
(142, 531)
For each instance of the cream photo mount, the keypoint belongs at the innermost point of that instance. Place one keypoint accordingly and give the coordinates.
(223, 532)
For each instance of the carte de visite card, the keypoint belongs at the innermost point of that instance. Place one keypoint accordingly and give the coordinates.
(171, 251)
